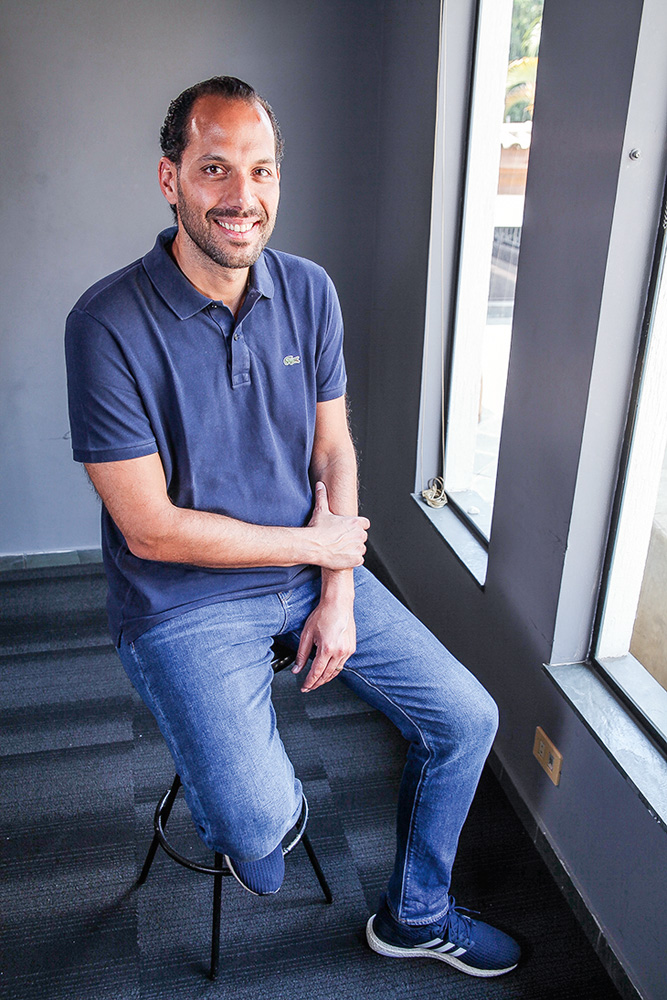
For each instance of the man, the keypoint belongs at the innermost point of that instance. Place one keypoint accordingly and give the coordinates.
(207, 390)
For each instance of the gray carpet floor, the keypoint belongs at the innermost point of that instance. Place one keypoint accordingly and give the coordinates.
(82, 768)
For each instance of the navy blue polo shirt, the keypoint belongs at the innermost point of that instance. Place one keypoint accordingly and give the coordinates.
(154, 366)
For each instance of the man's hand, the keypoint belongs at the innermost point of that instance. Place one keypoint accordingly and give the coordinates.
(341, 538)
(331, 630)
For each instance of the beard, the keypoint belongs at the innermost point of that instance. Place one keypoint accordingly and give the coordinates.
(204, 233)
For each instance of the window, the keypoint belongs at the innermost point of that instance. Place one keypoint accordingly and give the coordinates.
(499, 134)
(632, 632)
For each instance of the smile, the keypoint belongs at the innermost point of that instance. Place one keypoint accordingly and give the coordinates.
(236, 228)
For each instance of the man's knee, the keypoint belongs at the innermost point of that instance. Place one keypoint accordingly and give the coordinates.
(252, 827)
(471, 723)
(487, 718)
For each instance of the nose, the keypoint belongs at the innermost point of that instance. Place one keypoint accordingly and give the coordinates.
(239, 194)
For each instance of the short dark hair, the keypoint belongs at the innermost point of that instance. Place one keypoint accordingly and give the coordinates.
(174, 134)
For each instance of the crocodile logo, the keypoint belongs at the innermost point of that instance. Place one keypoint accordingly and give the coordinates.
(291, 359)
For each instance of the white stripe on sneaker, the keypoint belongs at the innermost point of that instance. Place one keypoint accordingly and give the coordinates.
(430, 944)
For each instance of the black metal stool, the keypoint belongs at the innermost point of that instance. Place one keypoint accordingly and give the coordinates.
(282, 658)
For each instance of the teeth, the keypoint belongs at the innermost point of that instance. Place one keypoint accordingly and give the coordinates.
(236, 228)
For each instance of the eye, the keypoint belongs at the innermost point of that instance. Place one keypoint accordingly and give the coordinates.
(212, 169)
(262, 172)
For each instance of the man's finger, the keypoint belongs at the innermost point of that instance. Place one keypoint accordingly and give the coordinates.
(321, 498)
(303, 652)
(317, 668)
(332, 670)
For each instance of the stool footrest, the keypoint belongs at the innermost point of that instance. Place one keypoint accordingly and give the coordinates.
(162, 814)
(220, 869)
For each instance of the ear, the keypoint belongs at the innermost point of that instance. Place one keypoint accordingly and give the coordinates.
(168, 180)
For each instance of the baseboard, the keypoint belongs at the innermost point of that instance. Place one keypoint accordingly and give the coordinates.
(49, 560)
(563, 880)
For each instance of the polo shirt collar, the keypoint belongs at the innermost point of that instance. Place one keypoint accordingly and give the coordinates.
(179, 294)
(260, 279)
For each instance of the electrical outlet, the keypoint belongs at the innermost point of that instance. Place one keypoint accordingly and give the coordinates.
(548, 756)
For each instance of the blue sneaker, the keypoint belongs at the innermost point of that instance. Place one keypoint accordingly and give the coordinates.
(469, 945)
(263, 877)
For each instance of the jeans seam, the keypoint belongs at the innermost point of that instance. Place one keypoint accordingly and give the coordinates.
(285, 608)
(417, 790)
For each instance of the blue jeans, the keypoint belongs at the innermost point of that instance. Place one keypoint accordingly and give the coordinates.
(206, 676)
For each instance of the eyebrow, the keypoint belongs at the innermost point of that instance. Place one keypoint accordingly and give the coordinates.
(215, 158)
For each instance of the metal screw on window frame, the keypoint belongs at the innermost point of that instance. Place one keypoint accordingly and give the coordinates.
(635, 154)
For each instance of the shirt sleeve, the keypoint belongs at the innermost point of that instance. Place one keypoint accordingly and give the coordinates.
(331, 375)
(108, 420)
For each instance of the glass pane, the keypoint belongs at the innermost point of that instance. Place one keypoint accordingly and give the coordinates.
(632, 641)
(501, 123)
(649, 635)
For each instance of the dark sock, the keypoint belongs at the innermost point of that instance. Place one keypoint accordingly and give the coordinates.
(264, 876)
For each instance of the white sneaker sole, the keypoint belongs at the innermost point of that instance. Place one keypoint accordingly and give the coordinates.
(394, 951)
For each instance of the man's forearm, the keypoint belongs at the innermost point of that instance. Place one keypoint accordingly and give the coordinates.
(134, 493)
(338, 471)
(330, 630)
(212, 540)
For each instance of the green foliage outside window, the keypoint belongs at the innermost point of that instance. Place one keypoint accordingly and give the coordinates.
(522, 70)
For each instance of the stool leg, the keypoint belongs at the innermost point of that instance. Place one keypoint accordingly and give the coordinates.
(149, 861)
(215, 931)
(171, 798)
(316, 868)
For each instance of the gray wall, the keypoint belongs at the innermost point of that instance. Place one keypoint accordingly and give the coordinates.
(572, 311)
(85, 86)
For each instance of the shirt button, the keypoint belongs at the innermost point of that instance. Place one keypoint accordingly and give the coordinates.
(236, 336)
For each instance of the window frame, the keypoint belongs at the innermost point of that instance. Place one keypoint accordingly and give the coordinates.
(438, 443)
(642, 695)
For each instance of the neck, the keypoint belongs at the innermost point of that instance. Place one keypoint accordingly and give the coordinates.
(224, 284)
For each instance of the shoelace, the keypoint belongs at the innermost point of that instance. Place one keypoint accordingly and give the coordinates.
(457, 925)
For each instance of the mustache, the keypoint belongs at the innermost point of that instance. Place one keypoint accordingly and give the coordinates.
(229, 213)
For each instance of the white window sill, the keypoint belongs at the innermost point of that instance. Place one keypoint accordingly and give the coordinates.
(622, 739)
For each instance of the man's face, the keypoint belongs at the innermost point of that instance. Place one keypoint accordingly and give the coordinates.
(227, 186)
